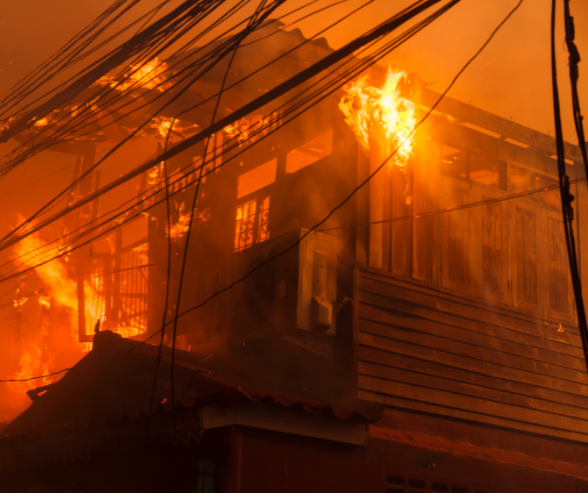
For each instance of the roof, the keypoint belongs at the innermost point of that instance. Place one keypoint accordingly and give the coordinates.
(113, 384)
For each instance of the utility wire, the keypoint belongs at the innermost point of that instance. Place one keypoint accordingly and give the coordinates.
(364, 182)
(259, 102)
(339, 81)
(566, 197)
(360, 186)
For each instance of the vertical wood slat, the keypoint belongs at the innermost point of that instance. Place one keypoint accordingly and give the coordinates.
(560, 303)
(456, 232)
(425, 247)
(387, 226)
(401, 230)
(528, 256)
(376, 187)
(491, 244)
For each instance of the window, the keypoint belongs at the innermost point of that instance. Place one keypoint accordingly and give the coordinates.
(474, 166)
(257, 178)
(521, 179)
(487, 170)
(252, 223)
(310, 152)
(453, 161)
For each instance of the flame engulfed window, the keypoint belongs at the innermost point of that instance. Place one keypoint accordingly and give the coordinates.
(252, 225)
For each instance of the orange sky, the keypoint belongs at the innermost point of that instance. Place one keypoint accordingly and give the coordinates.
(511, 78)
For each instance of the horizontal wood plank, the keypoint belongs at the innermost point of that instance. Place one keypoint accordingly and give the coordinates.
(402, 317)
(384, 358)
(467, 363)
(466, 349)
(402, 403)
(472, 403)
(422, 302)
(524, 402)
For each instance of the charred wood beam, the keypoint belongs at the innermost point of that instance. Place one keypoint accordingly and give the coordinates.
(506, 128)
(529, 157)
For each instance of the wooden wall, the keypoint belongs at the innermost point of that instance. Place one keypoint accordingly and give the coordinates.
(506, 252)
(421, 349)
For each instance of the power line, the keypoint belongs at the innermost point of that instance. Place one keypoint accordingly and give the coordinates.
(367, 180)
(35, 378)
(262, 100)
(566, 197)
(335, 84)
(356, 189)
(469, 205)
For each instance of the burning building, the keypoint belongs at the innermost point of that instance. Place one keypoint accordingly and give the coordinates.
(422, 338)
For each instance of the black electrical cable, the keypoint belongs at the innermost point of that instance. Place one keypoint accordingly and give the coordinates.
(574, 60)
(357, 68)
(35, 378)
(259, 102)
(362, 184)
(228, 44)
(566, 197)
(84, 109)
(130, 47)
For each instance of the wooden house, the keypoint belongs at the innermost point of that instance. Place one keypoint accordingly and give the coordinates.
(440, 291)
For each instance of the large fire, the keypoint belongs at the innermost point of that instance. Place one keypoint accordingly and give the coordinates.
(147, 75)
(60, 288)
(393, 116)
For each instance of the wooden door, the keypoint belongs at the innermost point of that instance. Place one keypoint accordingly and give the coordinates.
(490, 275)
(456, 235)
(560, 296)
(425, 198)
(528, 256)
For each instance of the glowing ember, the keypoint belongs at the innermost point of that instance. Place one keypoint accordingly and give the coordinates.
(41, 123)
(128, 331)
(147, 75)
(365, 106)
(243, 129)
(164, 126)
(180, 228)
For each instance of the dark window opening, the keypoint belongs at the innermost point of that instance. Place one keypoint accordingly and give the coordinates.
(310, 152)
(522, 179)
(453, 161)
(487, 170)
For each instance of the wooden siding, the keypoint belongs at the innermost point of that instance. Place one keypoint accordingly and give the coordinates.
(510, 252)
(422, 349)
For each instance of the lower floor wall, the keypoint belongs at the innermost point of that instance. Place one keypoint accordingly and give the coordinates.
(248, 460)
(281, 463)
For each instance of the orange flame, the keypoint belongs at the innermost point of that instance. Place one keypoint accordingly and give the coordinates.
(365, 106)
(180, 228)
(147, 75)
(164, 126)
(60, 287)
(243, 129)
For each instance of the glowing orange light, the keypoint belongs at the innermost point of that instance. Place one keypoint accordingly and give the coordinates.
(366, 106)
(147, 75)
(243, 129)
(41, 123)
(61, 289)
